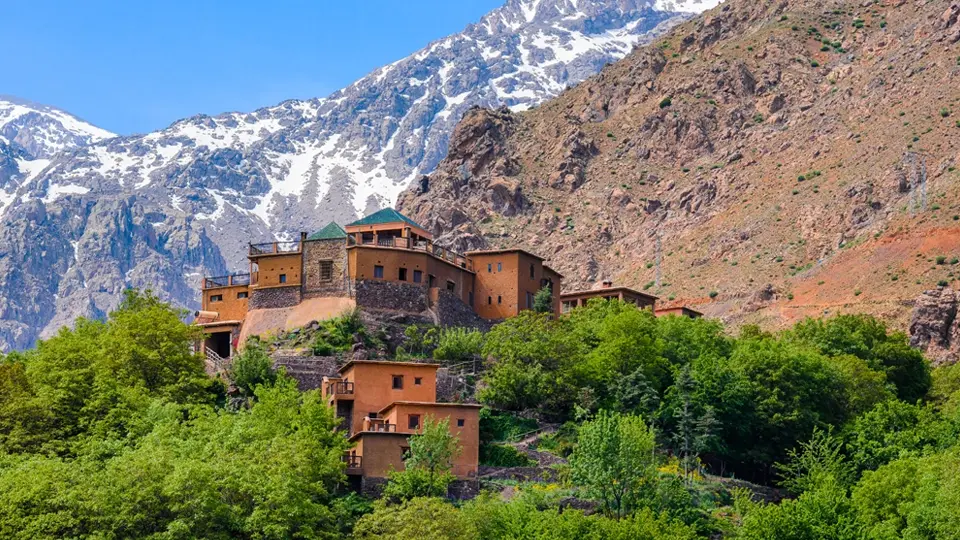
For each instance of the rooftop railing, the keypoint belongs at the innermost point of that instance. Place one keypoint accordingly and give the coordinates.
(226, 281)
(274, 248)
(398, 242)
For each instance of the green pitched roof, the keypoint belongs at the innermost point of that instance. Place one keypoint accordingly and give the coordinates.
(331, 232)
(387, 215)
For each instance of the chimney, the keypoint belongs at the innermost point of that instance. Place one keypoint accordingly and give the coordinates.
(607, 284)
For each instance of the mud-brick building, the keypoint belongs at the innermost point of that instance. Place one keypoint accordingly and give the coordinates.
(382, 404)
(606, 291)
(385, 261)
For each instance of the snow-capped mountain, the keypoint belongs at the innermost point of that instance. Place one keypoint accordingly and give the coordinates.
(31, 134)
(164, 208)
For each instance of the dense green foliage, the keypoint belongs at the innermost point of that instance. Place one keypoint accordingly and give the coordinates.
(739, 403)
(338, 334)
(113, 430)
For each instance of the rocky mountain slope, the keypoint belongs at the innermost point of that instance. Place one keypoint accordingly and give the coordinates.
(766, 161)
(161, 209)
(31, 134)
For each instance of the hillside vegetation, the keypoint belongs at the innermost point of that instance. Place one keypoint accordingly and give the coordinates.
(112, 430)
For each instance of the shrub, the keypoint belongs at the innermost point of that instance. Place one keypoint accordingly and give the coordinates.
(714, 294)
(666, 102)
(251, 368)
(941, 260)
(498, 455)
(459, 345)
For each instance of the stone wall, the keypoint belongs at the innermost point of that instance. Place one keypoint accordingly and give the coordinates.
(391, 295)
(451, 311)
(308, 371)
(459, 489)
(275, 297)
(315, 251)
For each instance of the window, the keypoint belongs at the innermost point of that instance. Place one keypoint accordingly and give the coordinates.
(532, 272)
(499, 300)
(404, 453)
(470, 295)
(460, 422)
(490, 267)
(242, 295)
(378, 272)
(216, 298)
(529, 301)
(499, 267)
(283, 278)
(451, 286)
(489, 300)
(418, 381)
(402, 274)
(413, 421)
(326, 270)
(398, 382)
(417, 276)
(372, 415)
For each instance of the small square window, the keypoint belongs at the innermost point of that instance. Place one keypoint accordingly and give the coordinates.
(489, 300)
(242, 295)
(398, 382)
(326, 270)
(378, 271)
(451, 286)
(283, 278)
(499, 267)
(417, 276)
(413, 421)
(499, 300)
(402, 275)
(490, 267)
(460, 422)
(216, 298)
(418, 381)
(372, 416)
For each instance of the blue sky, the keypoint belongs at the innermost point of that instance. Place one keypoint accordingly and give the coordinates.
(133, 66)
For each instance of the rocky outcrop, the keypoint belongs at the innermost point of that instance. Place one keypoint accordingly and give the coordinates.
(934, 326)
(757, 144)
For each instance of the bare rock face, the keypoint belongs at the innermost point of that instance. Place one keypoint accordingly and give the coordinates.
(934, 327)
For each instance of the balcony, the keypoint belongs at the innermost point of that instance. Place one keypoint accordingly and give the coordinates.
(340, 389)
(274, 248)
(397, 242)
(354, 463)
(378, 425)
(226, 281)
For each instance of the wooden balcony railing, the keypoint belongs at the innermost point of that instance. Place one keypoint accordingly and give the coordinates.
(338, 388)
(226, 281)
(353, 462)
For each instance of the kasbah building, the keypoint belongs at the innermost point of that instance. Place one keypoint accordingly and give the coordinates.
(385, 262)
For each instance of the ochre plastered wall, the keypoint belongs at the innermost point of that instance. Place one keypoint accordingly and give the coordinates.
(363, 259)
(270, 267)
(373, 386)
(465, 464)
(230, 308)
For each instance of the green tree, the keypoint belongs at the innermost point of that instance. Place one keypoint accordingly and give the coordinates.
(417, 519)
(543, 301)
(251, 368)
(427, 467)
(457, 345)
(614, 461)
